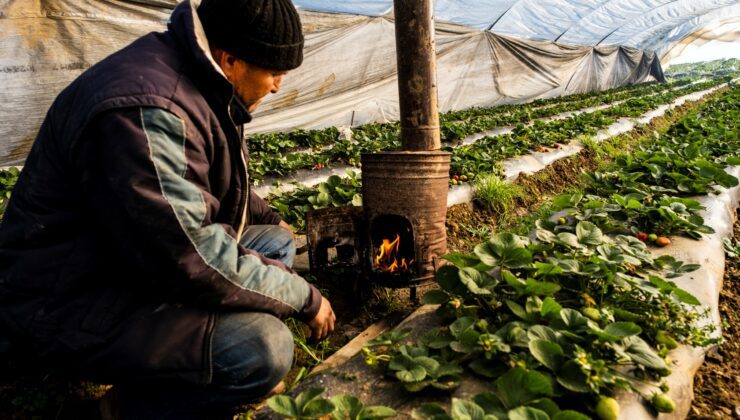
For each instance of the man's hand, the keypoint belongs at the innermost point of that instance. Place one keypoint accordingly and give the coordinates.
(323, 324)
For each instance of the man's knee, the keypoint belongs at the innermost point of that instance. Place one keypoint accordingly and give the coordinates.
(278, 349)
(285, 245)
(253, 351)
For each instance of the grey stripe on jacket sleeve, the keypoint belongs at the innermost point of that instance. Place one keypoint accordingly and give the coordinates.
(166, 136)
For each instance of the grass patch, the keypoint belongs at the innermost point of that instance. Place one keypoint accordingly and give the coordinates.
(590, 143)
(496, 195)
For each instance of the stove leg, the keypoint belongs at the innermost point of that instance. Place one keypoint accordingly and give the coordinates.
(412, 293)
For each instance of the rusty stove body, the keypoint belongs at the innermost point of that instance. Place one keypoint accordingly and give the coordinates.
(398, 235)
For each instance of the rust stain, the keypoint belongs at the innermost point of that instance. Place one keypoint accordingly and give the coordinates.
(31, 25)
(416, 84)
(289, 98)
(326, 84)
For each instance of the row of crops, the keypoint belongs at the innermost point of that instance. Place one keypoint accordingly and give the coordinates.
(280, 154)
(558, 322)
(275, 143)
(468, 161)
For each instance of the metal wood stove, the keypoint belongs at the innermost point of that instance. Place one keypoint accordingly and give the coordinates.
(398, 236)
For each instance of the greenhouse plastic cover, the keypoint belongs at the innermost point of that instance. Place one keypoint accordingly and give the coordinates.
(488, 52)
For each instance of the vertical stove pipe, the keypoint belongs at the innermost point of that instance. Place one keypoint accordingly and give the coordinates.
(417, 74)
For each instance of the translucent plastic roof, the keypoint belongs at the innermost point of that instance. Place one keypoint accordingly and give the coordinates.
(643, 24)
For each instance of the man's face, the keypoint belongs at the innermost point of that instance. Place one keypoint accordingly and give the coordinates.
(251, 83)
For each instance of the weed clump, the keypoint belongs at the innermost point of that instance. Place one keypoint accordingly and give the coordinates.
(496, 195)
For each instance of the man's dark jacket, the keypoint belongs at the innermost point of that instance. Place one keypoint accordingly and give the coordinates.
(129, 205)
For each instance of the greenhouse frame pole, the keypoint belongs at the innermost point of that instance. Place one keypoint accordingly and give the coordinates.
(417, 74)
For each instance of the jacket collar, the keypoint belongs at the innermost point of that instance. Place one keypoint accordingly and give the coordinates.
(239, 113)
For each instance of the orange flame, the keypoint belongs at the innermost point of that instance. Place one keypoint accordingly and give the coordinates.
(386, 257)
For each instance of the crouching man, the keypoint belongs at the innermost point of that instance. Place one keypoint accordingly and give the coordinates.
(133, 251)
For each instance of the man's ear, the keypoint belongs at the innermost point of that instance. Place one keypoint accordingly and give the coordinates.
(225, 60)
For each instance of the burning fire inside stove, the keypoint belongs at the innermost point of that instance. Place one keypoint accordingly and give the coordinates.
(387, 257)
(391, 248)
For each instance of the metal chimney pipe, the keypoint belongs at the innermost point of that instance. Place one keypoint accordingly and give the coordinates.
(417, 74)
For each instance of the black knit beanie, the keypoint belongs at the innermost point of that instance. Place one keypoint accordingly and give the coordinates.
(266, 33)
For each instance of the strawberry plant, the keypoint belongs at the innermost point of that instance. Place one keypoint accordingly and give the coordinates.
(334, 192)
(482, 156)
(731, 248)
(309, 405)
(518, 394)
(293, 140)
(413, 366)
(349, 407)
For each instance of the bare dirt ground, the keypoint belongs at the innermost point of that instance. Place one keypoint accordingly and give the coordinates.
(717, 384)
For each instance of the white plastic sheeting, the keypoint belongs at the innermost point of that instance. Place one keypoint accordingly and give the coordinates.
(633, 23)
(45, 44)
(722, 24)
(349, 73)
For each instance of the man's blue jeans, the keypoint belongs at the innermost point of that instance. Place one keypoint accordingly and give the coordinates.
(251, 353)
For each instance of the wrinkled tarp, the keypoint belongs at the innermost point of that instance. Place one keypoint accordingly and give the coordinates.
(348, 76)
(642, 24)
(474, 68)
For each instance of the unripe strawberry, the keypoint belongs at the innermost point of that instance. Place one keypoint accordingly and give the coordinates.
(591, 313)
(663, 403)
(607, 408)
(662, 337)
(562, 221)
(623, 315)
(482, 325)
(652, 237)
